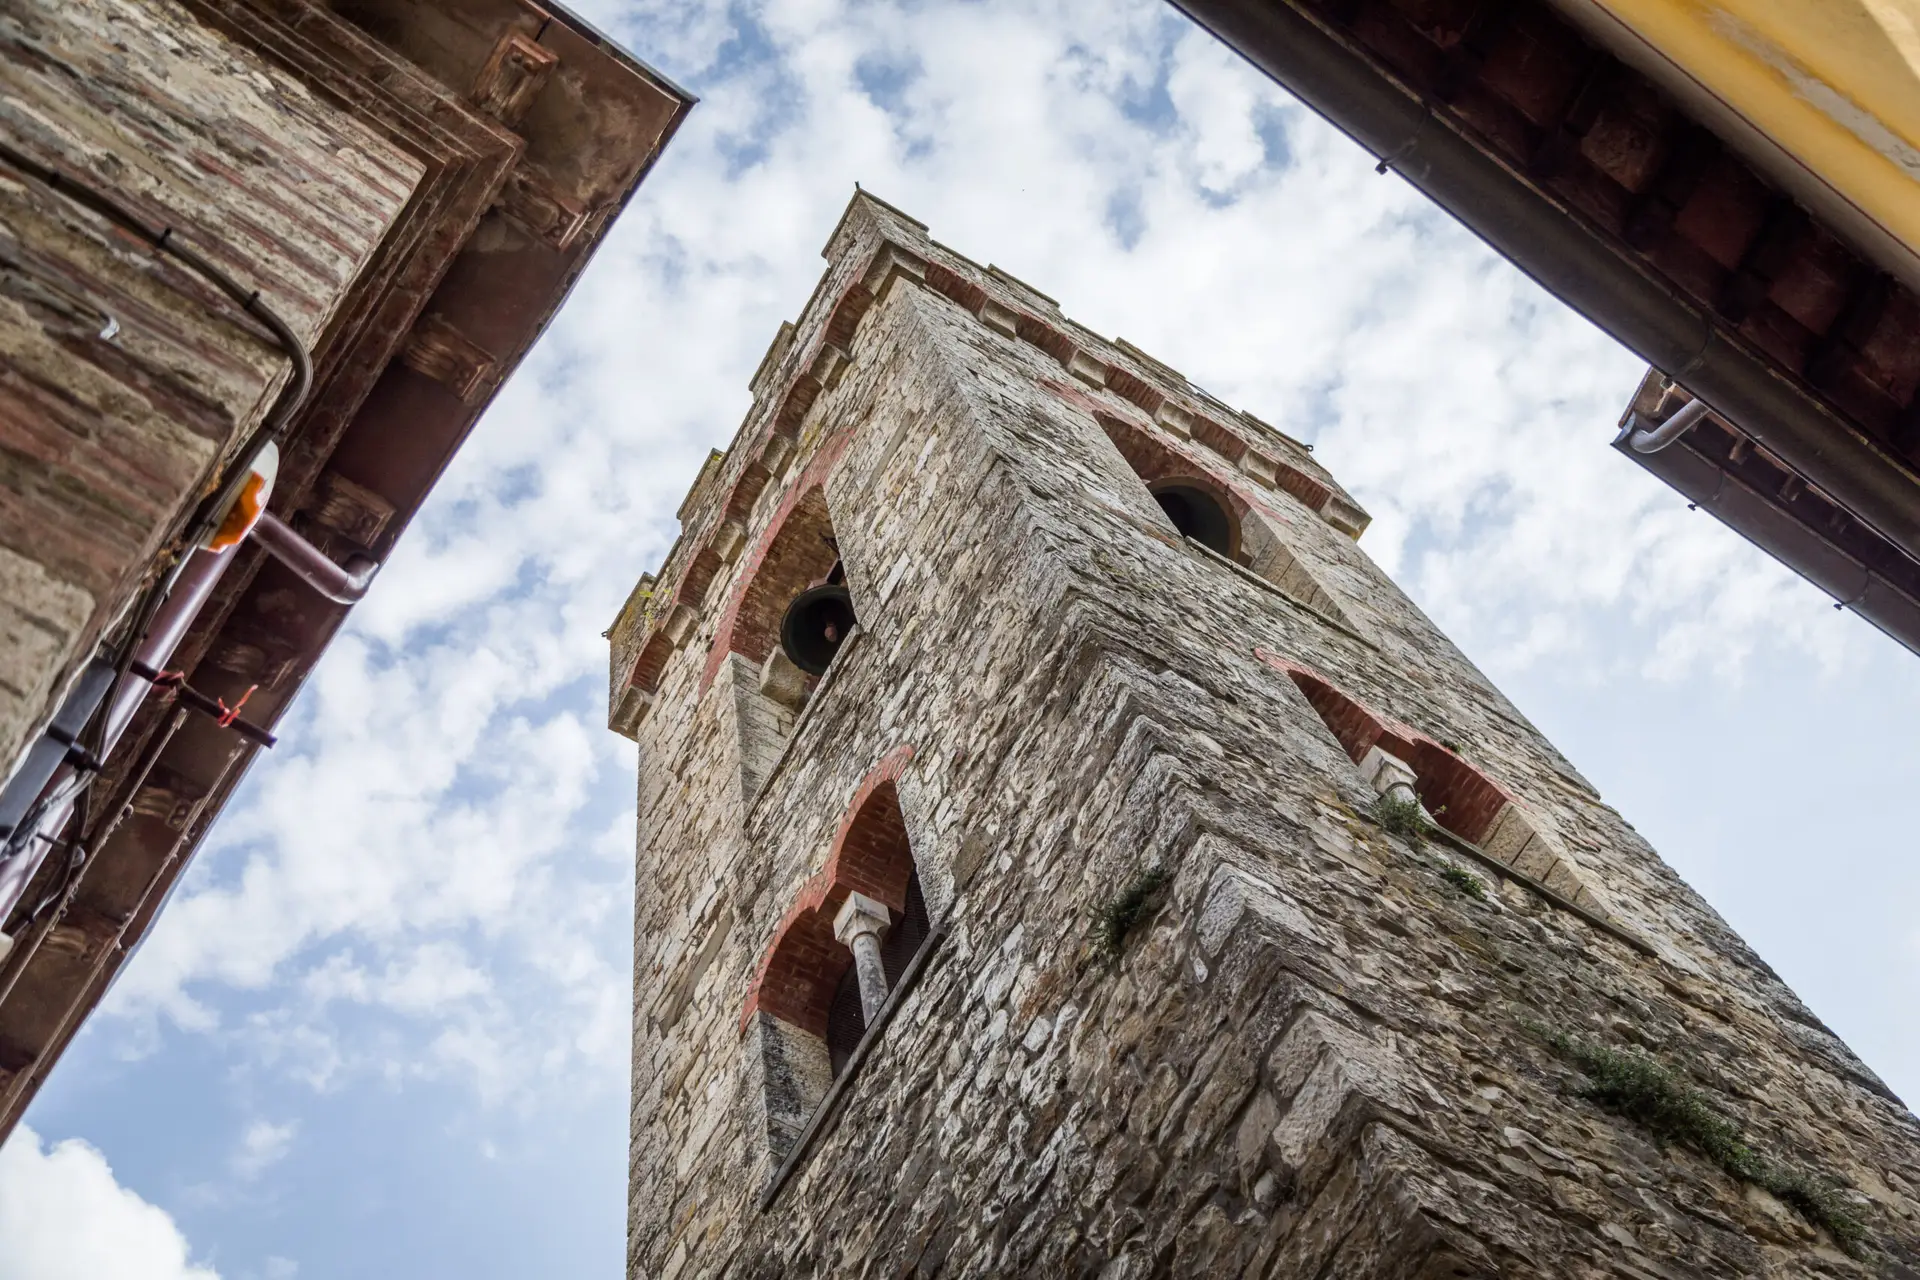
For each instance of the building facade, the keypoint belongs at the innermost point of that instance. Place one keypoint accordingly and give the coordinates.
(263, 263)
(1062, 851)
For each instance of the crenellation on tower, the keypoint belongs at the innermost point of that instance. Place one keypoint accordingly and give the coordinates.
(1063, 696)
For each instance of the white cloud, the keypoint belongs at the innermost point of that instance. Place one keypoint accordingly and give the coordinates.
(262, 1145)
(63, 1216)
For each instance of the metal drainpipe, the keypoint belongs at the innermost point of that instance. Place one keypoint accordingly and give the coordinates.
(22, 854)
(1642, 438)
(340, 584)
(188, 593)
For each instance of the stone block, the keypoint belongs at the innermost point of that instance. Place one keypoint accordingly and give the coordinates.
(1000, 318)
(1262, 469)
(1088, 368)
(776, 457)
(727, 541)
(1175, 421)
(1509, 835)
(783, 682)
(892, 263)
(679, 624)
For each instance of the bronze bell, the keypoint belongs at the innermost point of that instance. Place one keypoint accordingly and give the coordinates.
(817, 622)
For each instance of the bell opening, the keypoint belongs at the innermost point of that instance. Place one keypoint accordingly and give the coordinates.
(1197, 514)
(816, 625)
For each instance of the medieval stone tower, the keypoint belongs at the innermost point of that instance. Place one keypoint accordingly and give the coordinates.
(1036, 877)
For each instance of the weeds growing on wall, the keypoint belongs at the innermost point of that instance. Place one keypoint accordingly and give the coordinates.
(1401, 815)
(1130, 907)
(1645, 1091)
(1465, 881)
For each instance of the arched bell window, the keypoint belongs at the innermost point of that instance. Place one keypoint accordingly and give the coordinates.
(791, 612)
(1213, 514)
(1198, 513)
(848, 939)
(795, 601)
(1454, 792)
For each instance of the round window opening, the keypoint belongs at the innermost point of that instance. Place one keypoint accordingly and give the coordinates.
(1198, 515)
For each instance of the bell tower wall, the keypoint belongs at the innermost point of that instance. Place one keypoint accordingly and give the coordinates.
(1258, 934)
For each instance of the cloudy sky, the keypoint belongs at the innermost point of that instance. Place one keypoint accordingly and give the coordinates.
(383, 1028)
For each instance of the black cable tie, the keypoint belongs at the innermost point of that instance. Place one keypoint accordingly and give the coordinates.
(83, 760)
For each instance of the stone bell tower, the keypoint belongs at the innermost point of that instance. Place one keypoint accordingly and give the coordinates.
(1064, 852)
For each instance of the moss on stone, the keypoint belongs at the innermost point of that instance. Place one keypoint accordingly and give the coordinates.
(1652, 1095)
(1132, 905)
(1465, 881)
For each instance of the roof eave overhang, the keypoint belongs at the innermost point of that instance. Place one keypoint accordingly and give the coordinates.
(1571, 258)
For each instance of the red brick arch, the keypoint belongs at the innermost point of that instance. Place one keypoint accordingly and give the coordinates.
(872, 855)
(785, 559)
(1157, 462)
(1461, 798)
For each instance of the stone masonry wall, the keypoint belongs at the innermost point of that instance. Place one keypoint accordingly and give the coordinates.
(125, 378)
(1319, 1052)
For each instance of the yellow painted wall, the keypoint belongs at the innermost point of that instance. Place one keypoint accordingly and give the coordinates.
(1836, 83)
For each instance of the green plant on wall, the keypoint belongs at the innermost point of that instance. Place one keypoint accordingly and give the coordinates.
(1129, 907)
(1652, 1095)
(1402, 816)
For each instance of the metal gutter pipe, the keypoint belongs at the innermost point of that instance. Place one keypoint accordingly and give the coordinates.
(1642, 438)
(1763, 520)
(26, 849)
(342, 585)
(1563, 256)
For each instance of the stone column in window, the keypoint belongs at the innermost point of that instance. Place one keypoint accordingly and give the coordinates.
(859, 924)
(1392, 777)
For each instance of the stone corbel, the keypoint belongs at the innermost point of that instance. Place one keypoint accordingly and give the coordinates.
(1088, 368)
(629, 711)
(1261, 469)
(891, 263)
(513, 76)
(1175, 421)
(776, 457)
(1000, 318)
(727, 541)
(679, 624)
